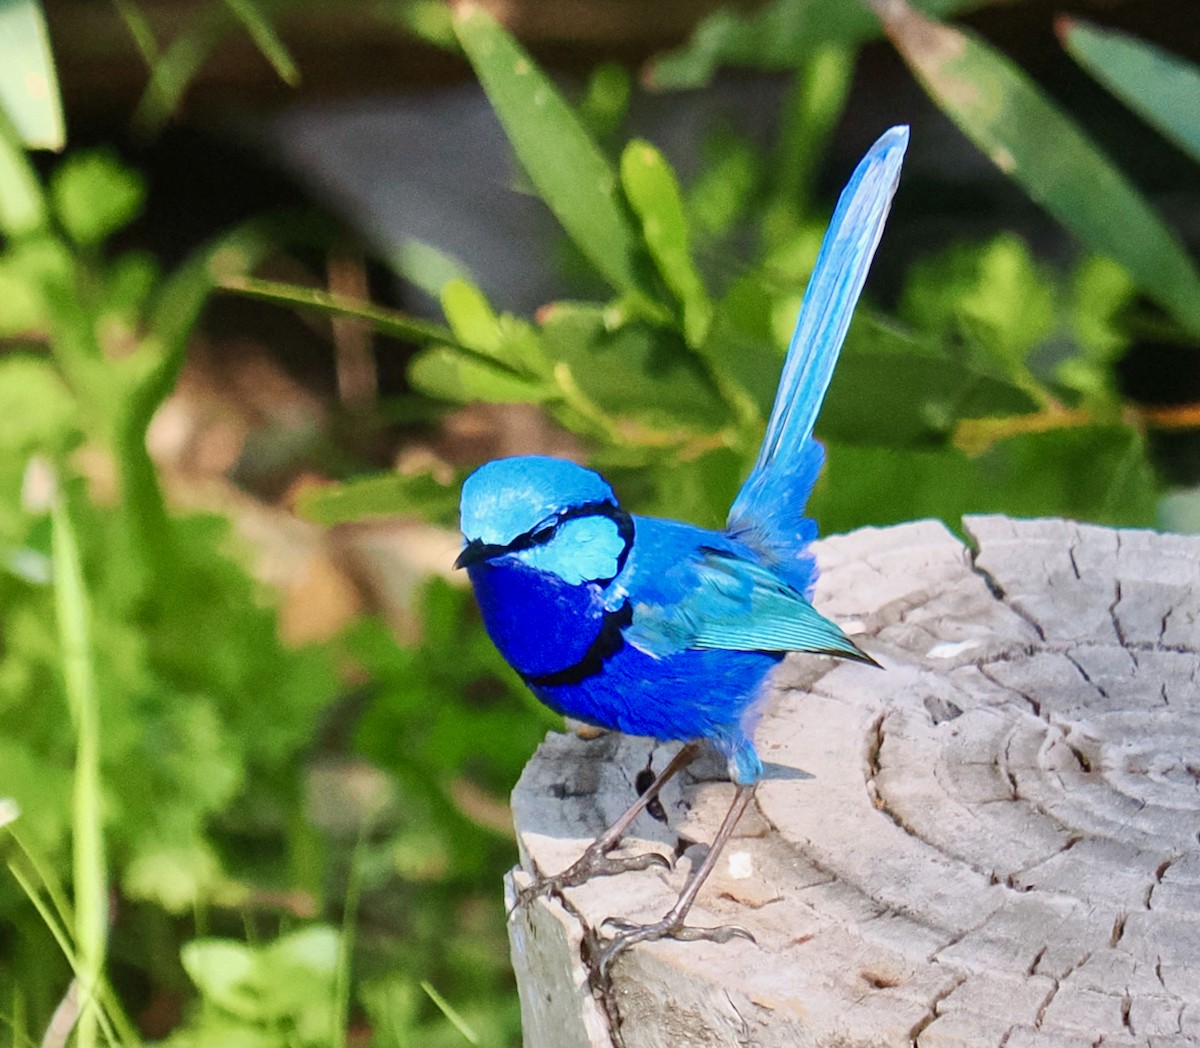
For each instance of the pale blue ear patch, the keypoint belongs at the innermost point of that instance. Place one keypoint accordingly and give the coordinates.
(584, 549)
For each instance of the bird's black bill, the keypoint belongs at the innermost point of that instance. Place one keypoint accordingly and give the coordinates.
(475, 551)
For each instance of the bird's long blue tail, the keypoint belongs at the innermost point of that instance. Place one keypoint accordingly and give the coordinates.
(768, 510)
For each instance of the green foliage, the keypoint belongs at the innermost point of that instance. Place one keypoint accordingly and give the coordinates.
(145, 690)
(1158, 86)
(1029, 138)
(994, 363)
(424, 697)
(278, 995)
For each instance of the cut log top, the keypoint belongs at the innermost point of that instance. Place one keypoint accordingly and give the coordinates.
(994, 842)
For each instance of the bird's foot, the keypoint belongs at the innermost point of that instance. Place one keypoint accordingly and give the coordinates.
(591, 864)
(670, 927)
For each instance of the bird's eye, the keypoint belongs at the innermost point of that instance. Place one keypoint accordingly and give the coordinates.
(543, 534)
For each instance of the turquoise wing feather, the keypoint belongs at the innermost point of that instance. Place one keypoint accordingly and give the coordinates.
(722, 600)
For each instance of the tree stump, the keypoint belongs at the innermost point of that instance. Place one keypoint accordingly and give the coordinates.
(996, 841)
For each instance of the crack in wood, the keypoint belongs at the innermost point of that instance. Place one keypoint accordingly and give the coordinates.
(997, 591)
(931, 1014)
(1087, 678)
(1037, 959)
(1118, 930)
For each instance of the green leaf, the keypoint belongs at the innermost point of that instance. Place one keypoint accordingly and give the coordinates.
(385, 321)
(223, 971)
(22, 203)
(266, 39)
(724, 189)
(652, 189)
(606, 100)
(290, 979)
(1010, 119)
(389, 494)
(178, 879)
(173, 69)
(28, 82)
(450, 374)
(993, 295)
(37, 411)
(31, 270)
(89, 869)
(636, 371)
(1101, 293)
(425, 266)
(94, 195)
(505, 338)
(560, 158)
(1160, 87)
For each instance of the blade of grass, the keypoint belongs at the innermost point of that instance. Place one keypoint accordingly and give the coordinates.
(814, 105)
(1160, 87)
(447, 1009)
(266, 39)
(560, 157)
(140, 30)
(111, 1016)
(1042, 149)
(385, 321)
(341, 1010)
(89, 867)
(28, 81)
(653, 191)
(177, 66)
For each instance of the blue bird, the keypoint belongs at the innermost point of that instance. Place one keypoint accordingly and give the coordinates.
(661, 628)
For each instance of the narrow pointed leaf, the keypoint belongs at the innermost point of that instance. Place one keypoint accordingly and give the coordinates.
(653, 190)
(385, 321)
(266, 39)
(22, 203)
(28, 82)
(452, 375)
(1160, 87)
(560, 158)
(1030, 139)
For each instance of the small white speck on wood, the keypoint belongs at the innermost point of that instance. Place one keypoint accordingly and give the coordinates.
(996, 841)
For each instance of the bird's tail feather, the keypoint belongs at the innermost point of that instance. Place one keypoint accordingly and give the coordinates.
(769, 508)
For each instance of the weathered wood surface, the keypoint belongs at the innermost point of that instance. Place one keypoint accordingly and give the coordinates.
(994, 842)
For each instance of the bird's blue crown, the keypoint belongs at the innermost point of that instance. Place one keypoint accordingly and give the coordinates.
(511, 497)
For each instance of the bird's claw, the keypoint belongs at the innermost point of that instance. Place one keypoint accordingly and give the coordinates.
(585, 869)
(630, 934)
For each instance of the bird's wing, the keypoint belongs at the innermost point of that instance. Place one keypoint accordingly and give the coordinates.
(719, 599)
(768, 509)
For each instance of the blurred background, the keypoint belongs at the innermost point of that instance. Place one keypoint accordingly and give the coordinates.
(275, 275)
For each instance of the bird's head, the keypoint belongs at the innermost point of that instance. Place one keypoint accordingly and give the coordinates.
(548, 513)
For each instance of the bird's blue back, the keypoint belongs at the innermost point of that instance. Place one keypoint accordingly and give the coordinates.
(656, 627)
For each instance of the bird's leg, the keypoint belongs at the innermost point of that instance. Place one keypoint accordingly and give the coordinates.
(595, 862)
(672, 926)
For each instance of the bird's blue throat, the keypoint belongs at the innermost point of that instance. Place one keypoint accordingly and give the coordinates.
(566, 565)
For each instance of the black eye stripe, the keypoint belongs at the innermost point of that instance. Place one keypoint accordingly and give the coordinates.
(476, 550)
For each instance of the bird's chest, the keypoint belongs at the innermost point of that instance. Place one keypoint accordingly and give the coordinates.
(541, 624)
